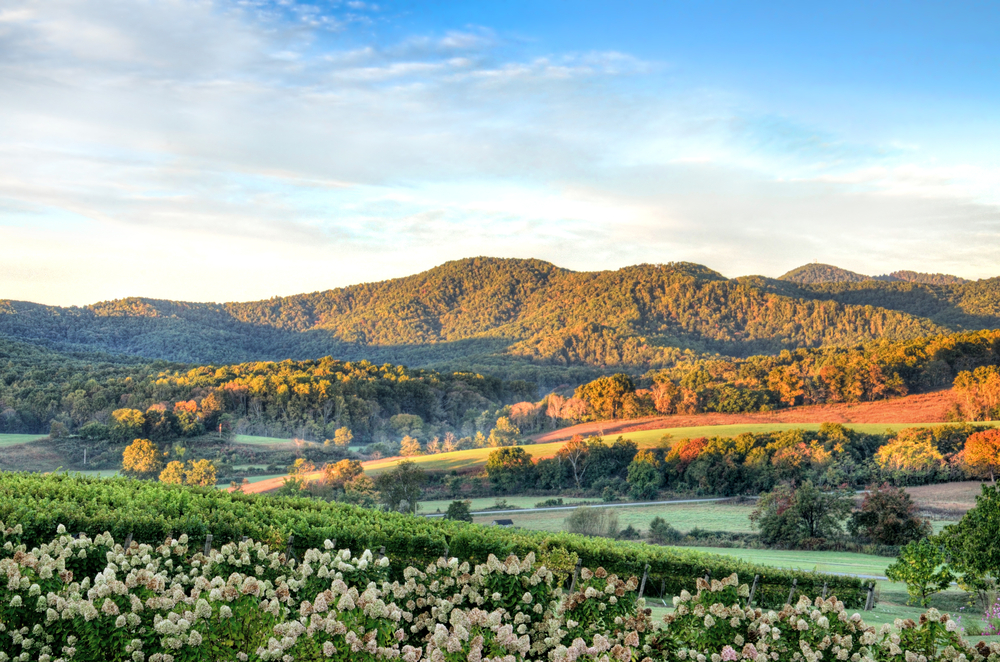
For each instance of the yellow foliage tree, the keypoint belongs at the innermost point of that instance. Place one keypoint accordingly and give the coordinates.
(200, 472)
(410, 447)
(909, 452)
(173, 473)
(342, 472)
(141, 458)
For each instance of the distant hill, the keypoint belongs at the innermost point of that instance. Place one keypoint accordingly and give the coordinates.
(523, 319)
(812, 274)
(927, 279)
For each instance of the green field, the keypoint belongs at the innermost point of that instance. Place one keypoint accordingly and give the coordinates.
(475, 458)
(15, 439)
(488, 502)
(682, 516)
(807, 561)
(714, 516)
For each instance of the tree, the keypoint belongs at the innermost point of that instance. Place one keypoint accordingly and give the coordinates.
(504, 433)
(173, 473)
(201, 472)
(661, 532)
(972, 542)
(336, 474)
(58, 430)
(911, 451)
(792, 516)
(888, 516)
(410, 447)
(401, 488)
(126, 424)
(576, 453)
(509, 469)
(982, 451)
(141, 459)
(605, 396)
(459, 510)
(343, 437)
(593, 522)
(644, 476)
(921, 565)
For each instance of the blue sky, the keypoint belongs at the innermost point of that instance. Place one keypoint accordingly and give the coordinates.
(216, 150)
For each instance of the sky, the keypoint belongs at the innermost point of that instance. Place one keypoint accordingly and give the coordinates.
(216, 150)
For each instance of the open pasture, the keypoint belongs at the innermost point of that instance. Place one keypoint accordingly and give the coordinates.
(682, 516)
(15, 439)
(483, 503)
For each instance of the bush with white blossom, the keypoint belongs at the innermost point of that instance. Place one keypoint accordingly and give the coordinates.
(89, 600)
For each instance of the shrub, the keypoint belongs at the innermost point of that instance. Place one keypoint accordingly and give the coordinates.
(593, 522)
(660, 531)
(888, 517)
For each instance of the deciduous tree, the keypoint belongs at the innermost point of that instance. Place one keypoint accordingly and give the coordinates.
(142, 459)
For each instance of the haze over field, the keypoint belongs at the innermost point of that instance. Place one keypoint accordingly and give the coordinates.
(231, 151)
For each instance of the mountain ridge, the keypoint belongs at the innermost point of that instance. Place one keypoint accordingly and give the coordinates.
(494, 313)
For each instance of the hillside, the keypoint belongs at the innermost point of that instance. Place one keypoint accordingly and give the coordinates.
(520, 319)
(811, 274)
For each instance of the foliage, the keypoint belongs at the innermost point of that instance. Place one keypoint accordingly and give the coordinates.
(982, 452)
(459, 510)
(662, 532)
(589, 521)
(504, 433)
(797, 516)
(910, 452)
(888, 516)
(141, 459)
(921, 565)
(151, 510)
(644, 476)
(509, 469)
(400, 488)
(972, 542)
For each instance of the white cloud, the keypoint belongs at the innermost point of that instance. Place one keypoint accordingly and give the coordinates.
(222, 139)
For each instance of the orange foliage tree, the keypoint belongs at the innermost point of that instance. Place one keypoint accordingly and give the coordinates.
(982, 451)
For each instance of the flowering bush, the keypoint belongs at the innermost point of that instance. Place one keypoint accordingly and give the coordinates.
(715, 624)
(88, 600)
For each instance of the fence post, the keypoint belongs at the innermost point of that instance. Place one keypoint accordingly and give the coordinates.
(753, 589)
(333, 544)
(791, 594)
(642, 585)
(208, 543)
(663, 588)
(128, 541)
(870, 602)
(446, 553)
(708, 578)
(289, 551)
(381, 552)
(245, 538)
(824, 590)
(576, 573)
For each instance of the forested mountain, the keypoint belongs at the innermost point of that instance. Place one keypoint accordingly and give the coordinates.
(810, 274)
(525, 319)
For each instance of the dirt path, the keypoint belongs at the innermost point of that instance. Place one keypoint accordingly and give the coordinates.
(916, 409)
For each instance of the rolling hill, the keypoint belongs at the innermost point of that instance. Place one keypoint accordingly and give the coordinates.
(526, 319)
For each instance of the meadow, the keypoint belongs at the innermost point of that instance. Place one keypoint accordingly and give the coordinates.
(15, 439)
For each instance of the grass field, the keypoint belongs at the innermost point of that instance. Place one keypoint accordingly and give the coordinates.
(476, 458)
(714, 516)
(488, 502)
(15, 439)
(682, 516)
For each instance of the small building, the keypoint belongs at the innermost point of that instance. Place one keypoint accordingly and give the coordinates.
(505, 523)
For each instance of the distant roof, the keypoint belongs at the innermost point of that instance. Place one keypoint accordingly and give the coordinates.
(503, 522)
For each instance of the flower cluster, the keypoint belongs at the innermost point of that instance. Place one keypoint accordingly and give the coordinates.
(87, 600)
(716, 625)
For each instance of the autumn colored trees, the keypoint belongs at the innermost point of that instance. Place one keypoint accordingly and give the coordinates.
(982, 452)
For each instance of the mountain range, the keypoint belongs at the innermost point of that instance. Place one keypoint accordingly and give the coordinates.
(527, 319)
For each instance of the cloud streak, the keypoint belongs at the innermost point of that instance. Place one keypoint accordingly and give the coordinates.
(211, 139)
